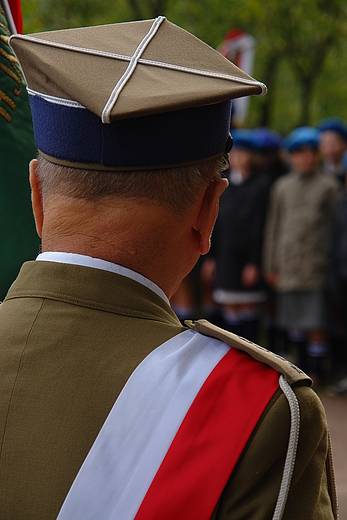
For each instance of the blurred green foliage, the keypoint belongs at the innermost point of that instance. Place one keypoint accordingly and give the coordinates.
(301, 46)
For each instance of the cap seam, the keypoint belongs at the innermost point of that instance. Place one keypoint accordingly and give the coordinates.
(112, 100)
(56, 100)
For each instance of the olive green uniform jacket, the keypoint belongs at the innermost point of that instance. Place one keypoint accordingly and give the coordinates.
(70, 338)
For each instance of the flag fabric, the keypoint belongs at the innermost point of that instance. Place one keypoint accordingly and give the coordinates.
(13, 13)
(19, 241)
(239, 47)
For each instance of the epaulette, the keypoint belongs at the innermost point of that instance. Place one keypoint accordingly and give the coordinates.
(292, 373)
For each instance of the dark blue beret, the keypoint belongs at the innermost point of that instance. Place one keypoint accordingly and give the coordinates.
(268, 140)
(334, 124)
(245, 138)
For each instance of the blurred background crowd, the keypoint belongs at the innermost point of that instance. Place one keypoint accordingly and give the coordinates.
(276, 273)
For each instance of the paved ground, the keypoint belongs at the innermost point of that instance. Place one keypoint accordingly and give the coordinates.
(336, 410)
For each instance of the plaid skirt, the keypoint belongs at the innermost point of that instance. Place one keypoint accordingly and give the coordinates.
(305, 310)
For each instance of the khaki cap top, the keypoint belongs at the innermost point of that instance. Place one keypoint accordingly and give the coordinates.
(130, 69)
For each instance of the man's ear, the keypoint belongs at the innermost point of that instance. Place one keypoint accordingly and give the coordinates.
(36, 197)
(208, 213)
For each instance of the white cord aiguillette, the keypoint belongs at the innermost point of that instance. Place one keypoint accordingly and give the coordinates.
(292, 447)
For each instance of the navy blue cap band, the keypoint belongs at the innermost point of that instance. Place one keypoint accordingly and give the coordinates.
(76, 136)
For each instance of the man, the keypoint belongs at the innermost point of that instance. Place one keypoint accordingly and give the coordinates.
(110, 408)
(238, 237)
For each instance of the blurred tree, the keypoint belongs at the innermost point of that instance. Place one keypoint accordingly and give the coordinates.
(149, 9)
(74, 13)
(305, 41)
(300, 34)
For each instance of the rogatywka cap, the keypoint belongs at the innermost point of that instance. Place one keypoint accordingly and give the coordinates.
(136, 95)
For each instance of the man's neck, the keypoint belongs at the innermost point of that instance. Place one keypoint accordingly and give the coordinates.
(145, 238)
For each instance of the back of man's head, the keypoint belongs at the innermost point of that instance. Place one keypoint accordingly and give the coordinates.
(174, 189)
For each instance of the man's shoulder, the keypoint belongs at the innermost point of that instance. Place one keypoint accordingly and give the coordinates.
(292, 373)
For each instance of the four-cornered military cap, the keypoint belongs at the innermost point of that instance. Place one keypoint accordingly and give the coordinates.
(135, 95)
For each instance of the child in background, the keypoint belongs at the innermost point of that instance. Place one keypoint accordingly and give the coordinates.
(297, 244)
(269, 146)
(235, 258)
(333, 146)
(338, 296)
(274, 165)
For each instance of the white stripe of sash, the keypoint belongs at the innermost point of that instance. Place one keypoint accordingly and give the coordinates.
(138, 431)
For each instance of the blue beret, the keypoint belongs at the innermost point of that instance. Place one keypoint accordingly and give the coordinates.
(334, 124)
(244, 138)
(301, 137)
(267, 139)
(345, 161)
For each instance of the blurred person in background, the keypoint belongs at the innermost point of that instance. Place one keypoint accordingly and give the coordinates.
(274, 165)
(271, 154)
(338, 296)
(296, 251)
(333, 146)
(185, 301)
(234, 263)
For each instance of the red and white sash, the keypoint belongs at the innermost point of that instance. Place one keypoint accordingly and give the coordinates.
(174, 435)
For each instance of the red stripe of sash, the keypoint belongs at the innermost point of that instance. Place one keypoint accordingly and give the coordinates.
(210, 440)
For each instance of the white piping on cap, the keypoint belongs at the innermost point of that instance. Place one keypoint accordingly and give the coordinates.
(55, 100)
(106, 113)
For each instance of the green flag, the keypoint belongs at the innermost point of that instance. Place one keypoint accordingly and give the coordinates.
(19, 241)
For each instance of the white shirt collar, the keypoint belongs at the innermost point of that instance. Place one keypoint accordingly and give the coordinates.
(97, 263)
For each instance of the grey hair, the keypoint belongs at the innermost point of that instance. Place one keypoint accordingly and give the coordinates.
(174, 188)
